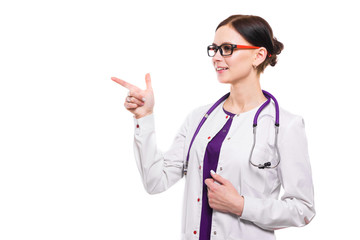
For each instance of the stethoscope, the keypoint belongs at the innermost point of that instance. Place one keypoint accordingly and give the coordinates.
(260, 166)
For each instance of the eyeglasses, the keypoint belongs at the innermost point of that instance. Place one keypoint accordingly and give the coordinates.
(226, 49)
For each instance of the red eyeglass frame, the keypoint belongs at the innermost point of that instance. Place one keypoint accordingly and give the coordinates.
(248, 47)
(233, 46)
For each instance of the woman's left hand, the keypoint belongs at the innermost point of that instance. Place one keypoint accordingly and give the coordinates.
(223, 196)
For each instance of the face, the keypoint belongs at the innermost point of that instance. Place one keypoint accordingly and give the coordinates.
(239, 65)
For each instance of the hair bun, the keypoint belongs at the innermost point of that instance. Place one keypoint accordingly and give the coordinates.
(278, 47)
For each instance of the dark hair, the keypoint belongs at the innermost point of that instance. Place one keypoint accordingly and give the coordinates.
(257, 32)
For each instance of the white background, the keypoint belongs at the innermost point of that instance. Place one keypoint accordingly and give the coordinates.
(67, 169)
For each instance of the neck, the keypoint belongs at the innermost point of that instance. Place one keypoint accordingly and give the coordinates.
(244, 96)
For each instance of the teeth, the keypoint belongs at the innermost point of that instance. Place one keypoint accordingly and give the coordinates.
(219, 69)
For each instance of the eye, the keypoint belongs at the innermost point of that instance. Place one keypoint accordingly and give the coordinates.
(226, 49)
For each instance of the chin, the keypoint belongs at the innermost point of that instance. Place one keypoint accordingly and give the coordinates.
(222, 79)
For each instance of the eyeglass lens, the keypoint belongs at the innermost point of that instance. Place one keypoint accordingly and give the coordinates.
(225, 50)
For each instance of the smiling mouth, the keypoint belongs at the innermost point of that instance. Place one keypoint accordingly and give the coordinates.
(221, 68)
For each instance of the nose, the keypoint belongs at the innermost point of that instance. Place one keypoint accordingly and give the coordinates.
(217, 57)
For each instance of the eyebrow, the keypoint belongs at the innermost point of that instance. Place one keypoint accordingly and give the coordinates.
(222, 43)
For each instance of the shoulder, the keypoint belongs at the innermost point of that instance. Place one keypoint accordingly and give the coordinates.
(197, 113)
(285, 116)
(193, 118)
(288, 119)
(292, 127)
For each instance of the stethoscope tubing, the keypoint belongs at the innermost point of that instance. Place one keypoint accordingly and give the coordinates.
(277, 118)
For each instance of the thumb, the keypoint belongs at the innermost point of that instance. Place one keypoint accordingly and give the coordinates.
(148, 81)
(218, 178)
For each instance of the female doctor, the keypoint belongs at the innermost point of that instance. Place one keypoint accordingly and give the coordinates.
(233, 181)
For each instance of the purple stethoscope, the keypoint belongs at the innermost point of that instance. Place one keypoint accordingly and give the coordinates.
(260, 166)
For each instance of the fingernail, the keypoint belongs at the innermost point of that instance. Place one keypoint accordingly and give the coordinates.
(143, 99)
(212, 172)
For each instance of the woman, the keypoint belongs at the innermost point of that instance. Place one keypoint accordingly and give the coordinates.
(240, 200)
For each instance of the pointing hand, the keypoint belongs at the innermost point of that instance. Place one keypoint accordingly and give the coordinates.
(139, 102)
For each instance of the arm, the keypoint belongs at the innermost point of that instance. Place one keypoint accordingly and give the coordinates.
(158, 170)
(296, 207)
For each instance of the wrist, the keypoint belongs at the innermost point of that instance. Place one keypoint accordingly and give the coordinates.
(137, 116)
(239, 206)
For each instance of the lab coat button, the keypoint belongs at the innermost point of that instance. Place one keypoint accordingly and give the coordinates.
(209, 137)
(198, 199)
(214, 232)
(227, 116)
(200, 167)
(228, 138)
(137, 126)
(220, 168)
(195, 232)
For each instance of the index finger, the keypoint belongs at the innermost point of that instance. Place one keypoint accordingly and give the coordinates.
(218, 178)
(124, 83)
(209, 182)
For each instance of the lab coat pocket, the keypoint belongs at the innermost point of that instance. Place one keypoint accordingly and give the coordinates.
(259, 182)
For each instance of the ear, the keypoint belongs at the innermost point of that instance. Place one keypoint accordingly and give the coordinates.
(260, 56)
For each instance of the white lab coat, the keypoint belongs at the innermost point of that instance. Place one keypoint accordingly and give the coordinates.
(263, 211)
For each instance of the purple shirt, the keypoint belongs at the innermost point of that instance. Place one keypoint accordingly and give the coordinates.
(211, 159)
